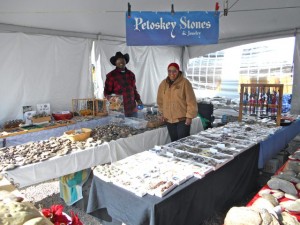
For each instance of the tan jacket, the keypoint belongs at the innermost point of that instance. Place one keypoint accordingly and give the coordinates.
(177, 101)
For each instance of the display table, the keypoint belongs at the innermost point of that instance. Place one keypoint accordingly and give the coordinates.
(45, 134)
(277, 142)
(108, 152)
(58, 166)
(189, 203)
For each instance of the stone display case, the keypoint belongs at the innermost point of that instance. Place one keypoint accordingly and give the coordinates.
(261, 100)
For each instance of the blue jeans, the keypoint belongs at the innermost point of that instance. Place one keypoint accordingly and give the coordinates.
(178, 130)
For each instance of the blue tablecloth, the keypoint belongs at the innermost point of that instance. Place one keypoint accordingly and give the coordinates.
(277, 142)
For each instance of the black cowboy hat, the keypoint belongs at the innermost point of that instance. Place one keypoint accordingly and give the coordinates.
(117, 56)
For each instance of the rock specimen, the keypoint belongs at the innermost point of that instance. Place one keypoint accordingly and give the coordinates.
(279, 184)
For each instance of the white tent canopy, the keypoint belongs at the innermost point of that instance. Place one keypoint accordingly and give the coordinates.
(46, 45)
(102, 17)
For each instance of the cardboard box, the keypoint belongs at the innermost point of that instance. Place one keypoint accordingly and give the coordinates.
(271, 166)
(282, 158)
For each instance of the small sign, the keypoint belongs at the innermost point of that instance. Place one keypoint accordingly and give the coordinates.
(27, 108)
(179, 28)
(43, 108)
(28, 116)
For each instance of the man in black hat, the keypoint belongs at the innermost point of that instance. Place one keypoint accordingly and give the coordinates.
(121, 81)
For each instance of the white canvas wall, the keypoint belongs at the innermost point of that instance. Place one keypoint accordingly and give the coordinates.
(42, 69)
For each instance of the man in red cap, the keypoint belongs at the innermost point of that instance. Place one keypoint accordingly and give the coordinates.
(121, 81)
(177, 102)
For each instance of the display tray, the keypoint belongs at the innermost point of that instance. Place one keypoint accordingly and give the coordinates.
(41, 119)
(81, 135)
(130, 184)
(153, 124)
(164, 189)
(194, 158)
(30, 126)
(14, 129)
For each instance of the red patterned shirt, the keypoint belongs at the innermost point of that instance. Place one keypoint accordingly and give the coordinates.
(123, 83)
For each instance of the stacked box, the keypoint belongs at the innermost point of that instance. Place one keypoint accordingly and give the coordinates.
(271, 166)
(282, 158)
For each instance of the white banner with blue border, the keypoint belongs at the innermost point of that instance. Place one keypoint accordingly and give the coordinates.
(180, 28)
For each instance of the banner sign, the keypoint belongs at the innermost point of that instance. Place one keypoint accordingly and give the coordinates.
(163, 28)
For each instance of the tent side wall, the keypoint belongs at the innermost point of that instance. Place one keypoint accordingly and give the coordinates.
(42, 69)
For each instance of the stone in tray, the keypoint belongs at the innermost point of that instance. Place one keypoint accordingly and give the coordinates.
(235, 146)
(199, 159)
(183, 147)
(107, 172)
(183, 155)
(197, 144)
(189, 142)
(221, 156)
(204, 139)
(204, 152)
(166, 151)
(208, 161)
(194, 138)
(187, 139)
(213, 137)
(244, 142)
(203, 145)
(212, 153)
(130, 184)
(232, 141)
(226, 151)
(172, 144)
(240, 137)
(164, 189)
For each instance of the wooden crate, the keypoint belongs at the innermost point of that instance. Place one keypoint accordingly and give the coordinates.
(84, 134)
(89, 107)
(100, 107)
(41, 119)
(84, 106)
(261, 100)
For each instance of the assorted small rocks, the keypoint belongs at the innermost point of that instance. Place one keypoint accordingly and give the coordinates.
(113, 132)
(12, 124)
(279, 202)
(151, 117)
(286, 186)
(257, 216)
(15, 211)
(33, 152)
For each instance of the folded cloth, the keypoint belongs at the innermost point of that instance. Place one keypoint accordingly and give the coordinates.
(71, 186)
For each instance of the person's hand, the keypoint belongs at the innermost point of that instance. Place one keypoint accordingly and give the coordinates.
(188, 121)
(160, 118)
(139, 102)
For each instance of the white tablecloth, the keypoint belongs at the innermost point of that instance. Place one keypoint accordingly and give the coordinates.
(79, 160)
